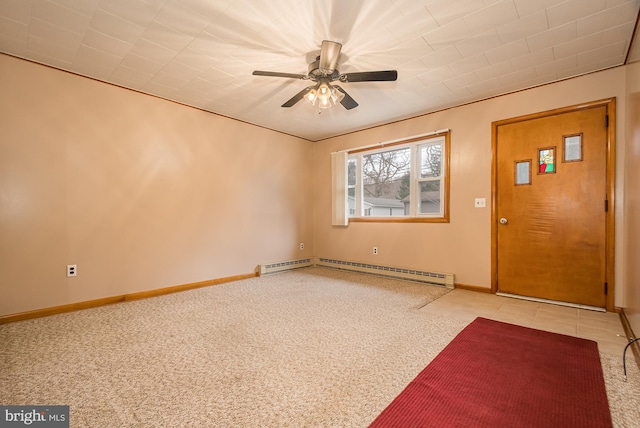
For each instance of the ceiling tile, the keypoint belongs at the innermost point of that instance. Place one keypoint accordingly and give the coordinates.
(412, 69)
(47, 31)
(557, 66)
(152, 51)
(373, 17)
(572, 10)
(615, 52)
(60, 16)
(459, 82)
(468, 65)
(14, 31)
(508, 51)
(408, 7)
(436, 75)
(141, 64)
(616, 34)
(50, 49)
(522, 75)
(138, 12)
(210, 45)
(234, 67)
(529, 7)
(180, 71)
(165, 36)
(576, 46)
(535, 58)
(441, 58)
(168, 80)
(409, 27)
(447, 36)
(552, 37)
(106, 43)
(208, 9)
(494, 70)
(194, 59)
(447, 11)
(16, 10)
(490, 17)
(482, 42)
(175, 16)
(116, 27)
(84, 7)
(486, 88)
(410, 50)
(623, 14)
(523, 27)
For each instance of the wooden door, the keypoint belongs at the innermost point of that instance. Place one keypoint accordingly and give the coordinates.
(551, 206)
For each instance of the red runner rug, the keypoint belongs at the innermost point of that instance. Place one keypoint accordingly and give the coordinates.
(495, 374)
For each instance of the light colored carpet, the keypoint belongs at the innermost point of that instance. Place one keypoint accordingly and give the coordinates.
(314, 347)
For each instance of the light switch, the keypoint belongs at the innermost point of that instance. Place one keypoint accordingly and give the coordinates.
(481, 202)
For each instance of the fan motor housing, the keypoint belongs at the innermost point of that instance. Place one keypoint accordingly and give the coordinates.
(316, 73)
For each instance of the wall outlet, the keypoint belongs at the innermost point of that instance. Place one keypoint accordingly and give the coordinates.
(72, 270)
(302, 245)
(481, 202)
(375, 250)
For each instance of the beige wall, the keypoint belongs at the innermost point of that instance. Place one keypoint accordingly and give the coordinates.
(463, 246)
(631, 292)
(140, 193)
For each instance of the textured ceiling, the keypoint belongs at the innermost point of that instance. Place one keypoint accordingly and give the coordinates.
(202, 52)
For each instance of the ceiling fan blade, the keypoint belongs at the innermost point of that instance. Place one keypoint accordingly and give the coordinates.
(370, 76)
(347, 102)
(277, 74)
(329, 54)
(297, 97)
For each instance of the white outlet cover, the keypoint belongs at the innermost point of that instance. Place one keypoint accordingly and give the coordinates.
(481, 202)
(72, 270)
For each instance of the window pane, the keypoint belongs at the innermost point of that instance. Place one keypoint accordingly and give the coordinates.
(351, 172)
(385, 177)
(429, 197)
(383, 173)
(430, 161)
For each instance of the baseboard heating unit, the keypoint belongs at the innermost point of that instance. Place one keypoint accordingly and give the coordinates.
(282, 266)
(437, 278)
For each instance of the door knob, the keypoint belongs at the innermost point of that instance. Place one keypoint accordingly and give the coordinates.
(503, 220)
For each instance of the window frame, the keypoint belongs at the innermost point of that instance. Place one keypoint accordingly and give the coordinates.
(415, 144)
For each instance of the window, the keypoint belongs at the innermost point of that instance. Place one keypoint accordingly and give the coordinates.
(403, 181)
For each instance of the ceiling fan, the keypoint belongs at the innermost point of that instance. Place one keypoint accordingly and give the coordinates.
(323, 71)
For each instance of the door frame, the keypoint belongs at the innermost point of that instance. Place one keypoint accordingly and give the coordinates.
(610, 104)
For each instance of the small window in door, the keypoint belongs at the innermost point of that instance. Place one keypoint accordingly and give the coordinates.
(523, 172)
(572, 148)
(547, 160)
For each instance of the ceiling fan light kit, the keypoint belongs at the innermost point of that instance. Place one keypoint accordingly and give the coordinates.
(323, 71)
(324, 94)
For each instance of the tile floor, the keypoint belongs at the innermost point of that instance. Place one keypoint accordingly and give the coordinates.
(604, 328)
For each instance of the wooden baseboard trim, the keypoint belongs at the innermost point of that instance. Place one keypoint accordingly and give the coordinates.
(473, 288)
(39, 313)
(635, 348)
